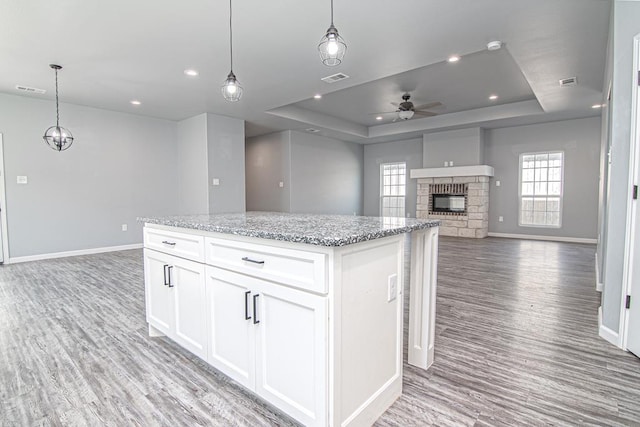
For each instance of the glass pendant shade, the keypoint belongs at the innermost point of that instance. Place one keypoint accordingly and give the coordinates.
(231, 89)
(58, 138)
(332, 48)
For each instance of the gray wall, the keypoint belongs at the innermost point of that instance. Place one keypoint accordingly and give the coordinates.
(580, 141)
(626, 24)
(192, 165)
(409, 151)
(268, 162)
(225, 148)
(120, 166)
(464, 147)
(326, 175)
(320, 175)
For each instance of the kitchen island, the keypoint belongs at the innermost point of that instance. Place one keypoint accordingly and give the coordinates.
(306, 311)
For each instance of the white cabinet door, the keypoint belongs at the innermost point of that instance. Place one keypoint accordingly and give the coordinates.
(291, 351)
(231, 328)
(186, 283)
(158, 297)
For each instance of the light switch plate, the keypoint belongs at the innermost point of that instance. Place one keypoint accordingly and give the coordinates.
(21, 179)
(497, 183)
(281, 184)
(216, 181)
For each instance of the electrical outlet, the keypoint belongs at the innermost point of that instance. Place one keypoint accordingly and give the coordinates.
(281, 184)
(500, 218)
(216, 181)
(450, 162)
(125, 227)
(497, 183)
(392, 286)
(446, 164)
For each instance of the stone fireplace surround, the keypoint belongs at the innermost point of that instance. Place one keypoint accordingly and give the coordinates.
(474, 222)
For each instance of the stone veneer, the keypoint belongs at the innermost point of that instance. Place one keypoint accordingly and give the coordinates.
(474, 222)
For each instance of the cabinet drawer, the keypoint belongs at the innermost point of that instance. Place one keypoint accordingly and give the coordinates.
(300, 269)
(183, 245)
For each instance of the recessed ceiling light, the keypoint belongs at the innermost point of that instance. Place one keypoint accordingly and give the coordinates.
(493, 97)
(454, 58)
(494, 45)
(191, 73)
(379, 118)
(317, 96)
(597, 106)
(135, 102)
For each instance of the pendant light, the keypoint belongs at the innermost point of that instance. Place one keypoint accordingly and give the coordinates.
(56, 136)
(332, 47)
(231, 89)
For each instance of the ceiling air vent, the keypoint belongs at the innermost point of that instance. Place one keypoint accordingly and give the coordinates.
(30, 89)
(334, 78)
(569, 81)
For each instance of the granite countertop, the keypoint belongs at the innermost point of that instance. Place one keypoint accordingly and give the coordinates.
(322, 230)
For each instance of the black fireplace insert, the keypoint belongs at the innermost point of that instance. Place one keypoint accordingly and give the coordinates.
(454, 203)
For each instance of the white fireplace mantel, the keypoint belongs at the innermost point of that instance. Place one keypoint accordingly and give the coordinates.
(478, 170)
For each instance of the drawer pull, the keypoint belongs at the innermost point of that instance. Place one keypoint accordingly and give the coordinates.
(255, 308)
(246, 258)
(246, 305)
(169, 243)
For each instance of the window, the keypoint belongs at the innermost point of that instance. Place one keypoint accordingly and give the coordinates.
(541, 189)
(392, 188)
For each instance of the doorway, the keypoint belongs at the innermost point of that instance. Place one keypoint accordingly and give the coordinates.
(631, 294)
(4, 248)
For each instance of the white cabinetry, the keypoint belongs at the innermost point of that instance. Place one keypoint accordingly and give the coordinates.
(314, 330)
(175, 290)
(271, 339)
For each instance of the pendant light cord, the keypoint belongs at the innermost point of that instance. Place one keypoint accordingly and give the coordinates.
(332, 13)
(57, 109)
(231, 35)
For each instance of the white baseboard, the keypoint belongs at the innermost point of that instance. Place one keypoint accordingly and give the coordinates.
(606, 333)
(39, 257)
(598, 282)
(550, 238)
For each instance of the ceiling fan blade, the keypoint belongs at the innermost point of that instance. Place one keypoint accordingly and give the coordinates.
(427, 106)
(425, 113)
(381, 113)
(395, 104)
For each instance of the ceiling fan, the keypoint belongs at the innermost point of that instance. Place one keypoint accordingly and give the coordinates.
(406, 109)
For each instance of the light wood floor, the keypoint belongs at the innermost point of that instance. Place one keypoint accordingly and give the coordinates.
(516, 345)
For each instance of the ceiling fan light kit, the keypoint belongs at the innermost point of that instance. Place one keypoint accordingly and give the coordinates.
(231, 89)
(332, 47)
(405, 114)
(57, 137)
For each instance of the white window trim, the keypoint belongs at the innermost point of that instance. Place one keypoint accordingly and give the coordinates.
(520, 224)
(381, 189)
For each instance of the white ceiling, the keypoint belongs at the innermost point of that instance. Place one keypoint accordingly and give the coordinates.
(118, 50)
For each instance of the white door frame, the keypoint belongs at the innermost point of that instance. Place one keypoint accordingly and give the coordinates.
(3, 206)
(634, 169)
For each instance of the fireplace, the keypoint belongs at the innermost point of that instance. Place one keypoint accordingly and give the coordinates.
(452, 203)
(457, 196)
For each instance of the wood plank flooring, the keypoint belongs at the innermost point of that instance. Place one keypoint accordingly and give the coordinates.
(517, 344)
